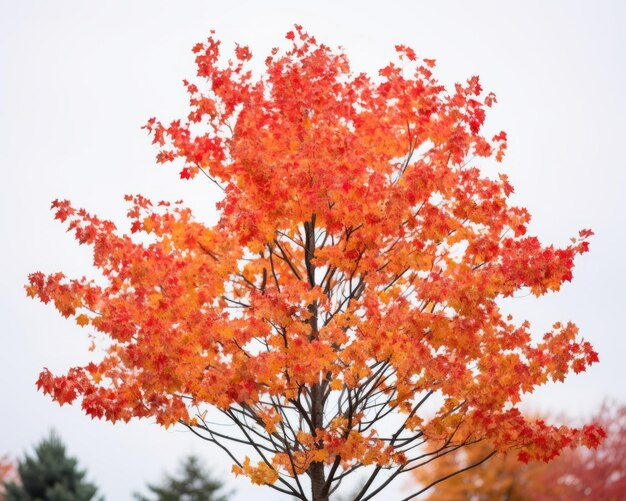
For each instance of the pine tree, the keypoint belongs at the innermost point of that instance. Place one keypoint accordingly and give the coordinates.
(193, 484)
(50, 475)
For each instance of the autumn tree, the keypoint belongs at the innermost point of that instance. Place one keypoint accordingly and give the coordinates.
(599, 473)
(504, 477)
(575, 475)
(7, 474)
(50, 474)
(343, 311)
(193, 483)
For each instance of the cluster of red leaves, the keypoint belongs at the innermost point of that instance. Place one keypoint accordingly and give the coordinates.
(355, 248)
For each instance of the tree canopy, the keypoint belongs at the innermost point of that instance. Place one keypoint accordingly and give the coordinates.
(343, 311)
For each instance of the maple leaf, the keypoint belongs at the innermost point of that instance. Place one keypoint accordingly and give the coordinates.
(186, 173)
(82, 320)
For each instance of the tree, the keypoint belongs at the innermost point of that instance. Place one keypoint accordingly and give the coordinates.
(597, 474)
(502, 478)
(7, 474)
(344, 309)
(194, 484)
(576, 474)
(50, 475)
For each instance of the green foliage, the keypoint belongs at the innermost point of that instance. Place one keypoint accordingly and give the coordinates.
(50, 475)
(193, 484)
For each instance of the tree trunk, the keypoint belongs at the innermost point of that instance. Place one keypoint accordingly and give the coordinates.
(318, 481)
(316, 469)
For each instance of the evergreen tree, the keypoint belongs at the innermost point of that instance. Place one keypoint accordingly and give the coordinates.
(193, 484)
(50, 475)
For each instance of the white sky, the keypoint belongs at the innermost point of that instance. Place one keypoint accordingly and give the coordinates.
(78, 79)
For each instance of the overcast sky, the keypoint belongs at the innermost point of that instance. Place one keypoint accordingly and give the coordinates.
(78, 79)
